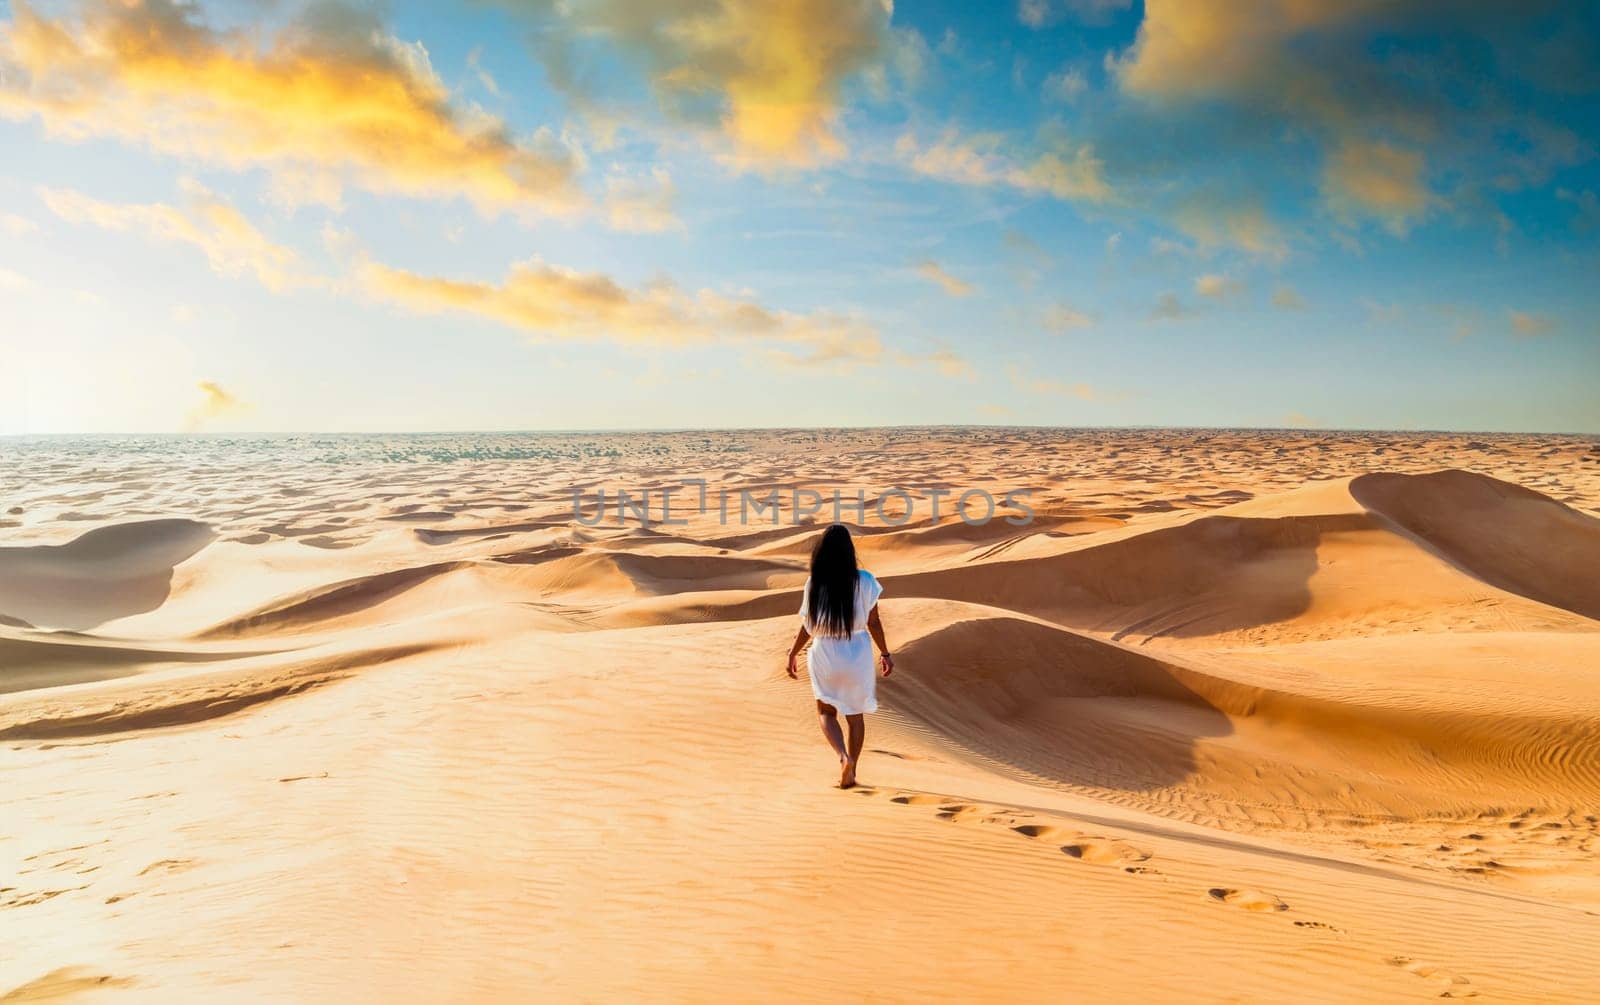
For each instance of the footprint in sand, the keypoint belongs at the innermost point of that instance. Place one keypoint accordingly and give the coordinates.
(1321, 926)
(1083, 847)
(1104, 851)
(1450, 985)
(1250, 900)
(918, 799)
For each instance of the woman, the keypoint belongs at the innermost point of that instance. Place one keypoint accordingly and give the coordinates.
(839, 609)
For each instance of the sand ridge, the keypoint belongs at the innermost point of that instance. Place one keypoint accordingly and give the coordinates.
(1239, 715)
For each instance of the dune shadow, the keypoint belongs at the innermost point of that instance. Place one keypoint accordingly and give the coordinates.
(1055, 704)
(1511, 537)
(101, 575)
(1210, 575)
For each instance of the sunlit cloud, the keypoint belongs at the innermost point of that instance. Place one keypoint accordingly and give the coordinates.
(1377, 180)
(947, 362)
(1066, 85)
(558, 303)
(1287, 298)
(1068, 172)
(767, 75)
(935, 273)
(10, 280)
(17, 226)
(1217, 286)
(1029, 384)
(1244, 226)
(642, 205)
(1526, 325)
(216, 402)
(1170, 308)
(328, 100)
(1400, 126)
(230, 242)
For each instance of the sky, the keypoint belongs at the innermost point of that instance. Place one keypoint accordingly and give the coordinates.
(272, 215)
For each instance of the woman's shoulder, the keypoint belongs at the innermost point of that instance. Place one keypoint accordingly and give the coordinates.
(867, 578)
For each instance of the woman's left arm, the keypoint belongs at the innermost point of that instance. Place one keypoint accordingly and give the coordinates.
(875, 626)
(800, 641)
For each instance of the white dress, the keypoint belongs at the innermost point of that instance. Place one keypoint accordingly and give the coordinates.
(842, 668)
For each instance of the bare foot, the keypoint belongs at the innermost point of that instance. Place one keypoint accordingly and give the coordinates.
(847, 774)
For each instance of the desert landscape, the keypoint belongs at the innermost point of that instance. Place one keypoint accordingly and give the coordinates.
(1238, 716)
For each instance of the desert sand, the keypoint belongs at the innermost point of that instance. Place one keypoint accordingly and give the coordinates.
(1239, 716)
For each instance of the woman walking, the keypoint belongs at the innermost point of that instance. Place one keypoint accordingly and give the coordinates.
(839, 614)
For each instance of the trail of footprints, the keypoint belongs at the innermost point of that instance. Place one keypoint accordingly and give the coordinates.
(1130, 858)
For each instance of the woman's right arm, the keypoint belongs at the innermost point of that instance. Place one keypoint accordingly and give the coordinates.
(875, 628)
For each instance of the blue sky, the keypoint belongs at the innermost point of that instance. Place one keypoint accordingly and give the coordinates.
(669, 213)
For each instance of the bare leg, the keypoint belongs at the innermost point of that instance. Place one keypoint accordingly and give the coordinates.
(858, 736)
(830, 731)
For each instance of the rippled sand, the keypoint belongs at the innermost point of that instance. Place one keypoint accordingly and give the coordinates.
(1236, 717)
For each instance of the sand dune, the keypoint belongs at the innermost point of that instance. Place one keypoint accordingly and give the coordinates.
(1507, 535)
(1239, 717)
(105, 573)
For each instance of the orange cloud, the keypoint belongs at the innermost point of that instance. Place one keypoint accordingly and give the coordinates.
(1527, 325)
(640, 206)
(1288, 298)
(1188, 51)
(1217, 286)
(1222, 223)
(771, 73)
(1378, 180)
(1067, 173)
(216, 402)
(326, 101)
(935, 273)
(1045, 385)
(554, 302)
(230, 242)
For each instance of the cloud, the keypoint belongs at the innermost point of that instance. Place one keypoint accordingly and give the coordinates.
(553, 302)
(1063, 317)
(216, 403)
(1525, 325)
(329, 99)
(767, 75)
(1586, 216)
(1377, 180)
(232, 245)
(1066, 85)
(1045, 385)
(934, 272)
(1025, 246)
(13, 280)
(1217, 286)
(1222, 223)
(1260, 91)
(17, 226)
(1038, 14)
(1285, 297)
(1067, 172)
(485, 78)
(1169, 308)
(946, 361)
(640, 206)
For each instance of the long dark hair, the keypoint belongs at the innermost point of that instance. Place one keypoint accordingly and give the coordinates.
(831, 601)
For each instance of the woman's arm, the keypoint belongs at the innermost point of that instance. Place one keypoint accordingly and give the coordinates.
(800, 641)
(875, 627)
